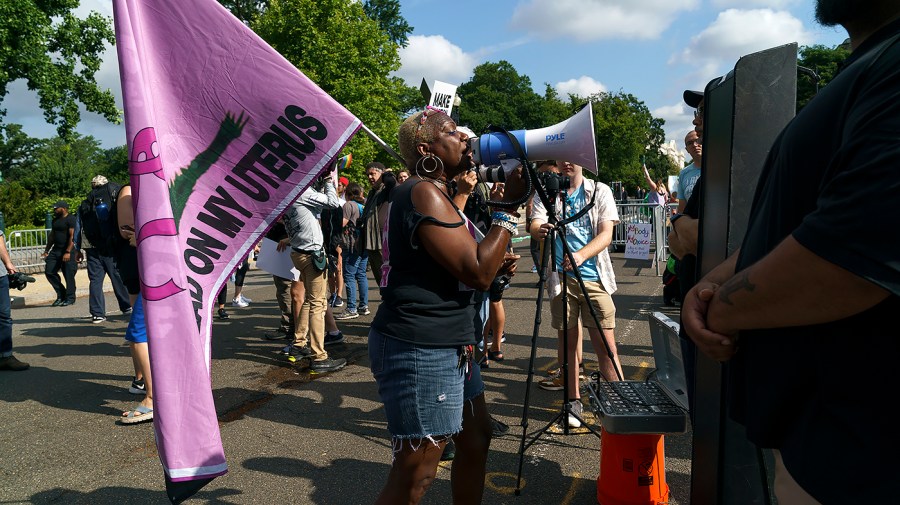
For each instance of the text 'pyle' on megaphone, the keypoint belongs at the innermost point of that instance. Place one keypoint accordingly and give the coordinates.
(571, 140)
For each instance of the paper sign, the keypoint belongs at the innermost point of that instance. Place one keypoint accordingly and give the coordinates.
(442, 96)
(637, 240)
(274, 262)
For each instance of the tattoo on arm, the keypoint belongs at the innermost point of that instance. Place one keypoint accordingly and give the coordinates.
(741, 282)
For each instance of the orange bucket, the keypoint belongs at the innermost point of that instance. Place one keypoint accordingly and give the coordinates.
(632, 470)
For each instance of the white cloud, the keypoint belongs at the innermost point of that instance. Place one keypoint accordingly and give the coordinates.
(433, 57)
(679, 121)
(584, 86)
(737, 33)
(748, 4)
(598, 19)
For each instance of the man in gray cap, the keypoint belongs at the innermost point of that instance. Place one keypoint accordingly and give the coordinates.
(100, 254)
(61, 255)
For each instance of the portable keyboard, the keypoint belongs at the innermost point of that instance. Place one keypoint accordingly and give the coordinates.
(636, 407)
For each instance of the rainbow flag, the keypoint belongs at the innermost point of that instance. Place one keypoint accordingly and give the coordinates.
(223, 134)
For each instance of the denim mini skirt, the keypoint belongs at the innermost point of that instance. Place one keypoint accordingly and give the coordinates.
(423, 389)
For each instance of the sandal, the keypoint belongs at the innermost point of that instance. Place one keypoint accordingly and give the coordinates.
(495, 355)
(140, 414)
(484, 362)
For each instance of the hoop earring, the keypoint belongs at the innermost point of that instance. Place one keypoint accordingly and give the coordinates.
(437, 164)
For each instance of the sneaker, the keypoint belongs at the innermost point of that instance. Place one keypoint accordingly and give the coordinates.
(555, 371)
(334, 339)
(278, 335)
(576, 408)
(449, 451)
(222, 314)
(97, 319)
(245, 299)
(534, 269)
(237, 302)
(489, 338)
(346, 315)
(552, 383)
(328, 365)
(126, 312)
(498, 428)
(12, 364)
(364, 310)
(138, 387)
(337, 301)
(296, 354)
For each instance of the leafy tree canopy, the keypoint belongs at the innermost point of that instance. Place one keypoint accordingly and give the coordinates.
(58, 55)
(64, 168)
(348, 55)
(626, 133)
(822, 60)
(16, 151)
(497, 95)
(245, 10)
(387, 14)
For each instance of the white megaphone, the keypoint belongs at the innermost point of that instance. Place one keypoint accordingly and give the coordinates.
(571, 140)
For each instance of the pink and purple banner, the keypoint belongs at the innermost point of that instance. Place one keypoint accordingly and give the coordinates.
(223, 134)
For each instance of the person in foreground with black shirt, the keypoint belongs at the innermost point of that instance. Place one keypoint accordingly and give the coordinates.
(815, 288)
(421, 344)
(60, 254)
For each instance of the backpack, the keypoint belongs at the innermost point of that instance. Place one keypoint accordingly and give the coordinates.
(99, 221)
(349, 236)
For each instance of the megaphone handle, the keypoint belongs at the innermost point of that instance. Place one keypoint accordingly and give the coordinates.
(529, 189)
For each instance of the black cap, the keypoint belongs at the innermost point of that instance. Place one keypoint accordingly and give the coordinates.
(61, 204)
(693, 98)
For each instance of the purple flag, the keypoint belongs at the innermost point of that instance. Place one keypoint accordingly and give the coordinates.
(223, 134)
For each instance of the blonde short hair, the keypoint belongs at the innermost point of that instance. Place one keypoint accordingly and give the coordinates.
(427, 132)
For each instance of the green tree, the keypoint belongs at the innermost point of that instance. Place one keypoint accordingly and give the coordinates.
(114, 164)
(16, 151)
(626, 133)
(497, 95)
(387, 14)
(409, 98)
(245, 10)
(58, 55)
(65, 168)
(555, 108)
(822, 60)
(16, 204)
(347, 54)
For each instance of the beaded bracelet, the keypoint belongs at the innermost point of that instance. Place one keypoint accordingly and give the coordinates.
(497, 210)
(506, 225)
(502, 216)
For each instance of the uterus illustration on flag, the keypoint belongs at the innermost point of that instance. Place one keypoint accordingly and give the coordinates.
(223, 134)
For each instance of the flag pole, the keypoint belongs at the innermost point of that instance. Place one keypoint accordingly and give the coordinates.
(382, 143)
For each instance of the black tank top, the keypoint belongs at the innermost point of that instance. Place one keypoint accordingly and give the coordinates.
(422, 303)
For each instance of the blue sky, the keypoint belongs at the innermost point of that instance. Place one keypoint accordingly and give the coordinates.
(653, 49)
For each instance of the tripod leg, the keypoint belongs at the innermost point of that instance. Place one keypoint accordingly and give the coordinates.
(542, 273)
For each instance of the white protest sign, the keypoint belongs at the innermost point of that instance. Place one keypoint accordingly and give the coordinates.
(637, 240)
(275, 262)
(442, 96)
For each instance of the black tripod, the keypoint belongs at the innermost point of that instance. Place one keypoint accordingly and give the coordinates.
(548, 197)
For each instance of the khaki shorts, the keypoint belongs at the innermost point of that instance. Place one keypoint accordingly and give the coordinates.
(578, 305)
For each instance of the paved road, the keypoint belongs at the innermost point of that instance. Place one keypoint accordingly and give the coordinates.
(288, 437)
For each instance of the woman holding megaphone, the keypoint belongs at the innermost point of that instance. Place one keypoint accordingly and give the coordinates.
(421, 343)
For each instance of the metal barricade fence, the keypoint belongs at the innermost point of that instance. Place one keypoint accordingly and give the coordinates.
(25, 248)
(658, 216)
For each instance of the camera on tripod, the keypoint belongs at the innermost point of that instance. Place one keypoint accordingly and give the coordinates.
(553, 182)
